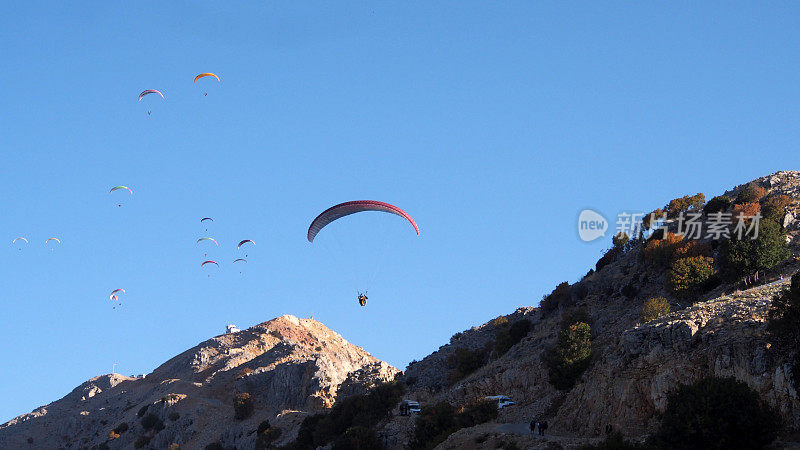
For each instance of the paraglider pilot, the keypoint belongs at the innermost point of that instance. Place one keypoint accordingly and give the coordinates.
(362, 299)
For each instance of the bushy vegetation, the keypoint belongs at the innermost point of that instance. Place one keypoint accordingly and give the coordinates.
(142, 410)
(213, 446)
(620, 239)
(151, 421)
(571, 356)
(508, 336)
(717, 204)
(121, 428)
(174, 416)
(435, 423)
(499, 321)
(559, 298)
(745, 211)
(357, 438)
(607, 258)
(141, 441)
(750, 193)
(656, 214)
(463, 362)
(773, 207)
(653, 308)
(174, 446)
(743, 257)
(716, 413)
(660, 252)
(242, 406)
(784, 324)
(688, 277)
(683, 204)
(691, 247)
(357, 411)
(266, 435)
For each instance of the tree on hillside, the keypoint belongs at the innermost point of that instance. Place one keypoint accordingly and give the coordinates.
(784, 324)
(716, 413)
(571, 355)
(688, 277)
(740, 258)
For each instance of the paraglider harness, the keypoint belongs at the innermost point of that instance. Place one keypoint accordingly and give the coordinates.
(362, 298)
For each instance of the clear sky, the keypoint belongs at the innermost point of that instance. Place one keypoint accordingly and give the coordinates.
(492, 123)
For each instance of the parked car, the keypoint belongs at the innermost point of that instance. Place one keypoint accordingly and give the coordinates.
(501, 400)
(408, 407)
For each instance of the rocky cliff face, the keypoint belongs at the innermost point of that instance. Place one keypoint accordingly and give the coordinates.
(635, 364)
(289, 366)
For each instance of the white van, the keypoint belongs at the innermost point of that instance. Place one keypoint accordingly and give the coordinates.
(408, 407)
(501, 400)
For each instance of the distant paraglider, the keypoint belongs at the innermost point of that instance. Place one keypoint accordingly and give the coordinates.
(148, 92)
(116, 295)
(52, 239)
(209, 262)
(117, 188)
(239, 247)
(206, 74)
(19, 239)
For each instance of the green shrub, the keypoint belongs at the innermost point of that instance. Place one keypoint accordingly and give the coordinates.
(357, 411)
(688, 277)
(454, 338)
(559, 298)
(717, 204)
(773, 207)
(507, 337)
(750, 193)
(170, 398)
(141, 441)
(499, 321)
(620, 239)
(142, 410)
(740, 258)
(435, 423)
(476, 413)
(121, 428)
(716, 413)
(151, 421)
(242, 406)
(653, 308)
(357, 438)
(463, 362)
(173, 416)
(571, 355)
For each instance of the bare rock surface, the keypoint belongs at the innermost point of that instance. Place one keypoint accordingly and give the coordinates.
(290, 367)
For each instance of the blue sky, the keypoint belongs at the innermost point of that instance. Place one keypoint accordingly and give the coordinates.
(492, 123)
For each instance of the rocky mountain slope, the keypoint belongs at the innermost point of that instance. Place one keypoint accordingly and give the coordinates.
(292, 367)
(289, 366)
(722, 333)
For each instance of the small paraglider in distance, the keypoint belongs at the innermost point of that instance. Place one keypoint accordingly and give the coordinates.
(239, 247)
(17, 240)
(115, 297)
(117, 188)
(209, 262)
(148, 92)
(239, 260)
(52, 239)
(362, 298)
(206, 74)
(206, 218)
